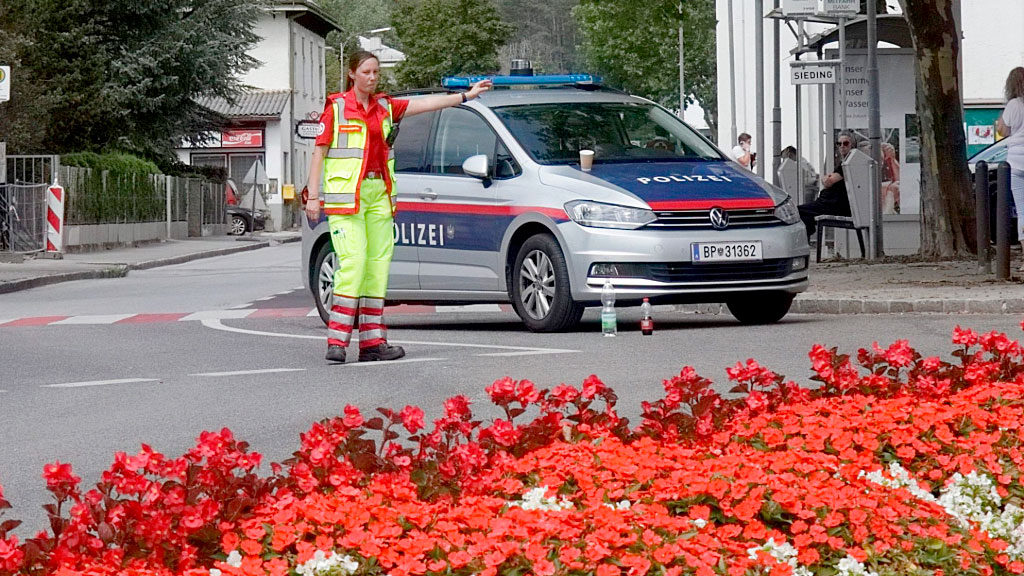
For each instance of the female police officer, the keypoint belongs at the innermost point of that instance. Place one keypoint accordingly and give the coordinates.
(356, 167)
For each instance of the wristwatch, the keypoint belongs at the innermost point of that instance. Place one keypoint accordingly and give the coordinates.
(464, 99)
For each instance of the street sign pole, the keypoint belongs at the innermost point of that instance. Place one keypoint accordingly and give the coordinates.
(874, 131)
(842, 72)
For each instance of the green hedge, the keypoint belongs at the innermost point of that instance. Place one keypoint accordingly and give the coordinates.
(128, 196)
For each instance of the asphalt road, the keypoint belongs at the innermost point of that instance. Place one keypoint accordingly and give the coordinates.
(226, 342)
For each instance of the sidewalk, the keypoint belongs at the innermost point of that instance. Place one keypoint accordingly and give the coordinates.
(115, 263)
(894, 285)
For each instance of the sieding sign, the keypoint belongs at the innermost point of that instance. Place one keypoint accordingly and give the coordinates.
(813, 75)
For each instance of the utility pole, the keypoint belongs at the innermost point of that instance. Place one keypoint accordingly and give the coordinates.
(875, 132)
(682, 73)
(776, 101)
(732, 78)
(759, 76)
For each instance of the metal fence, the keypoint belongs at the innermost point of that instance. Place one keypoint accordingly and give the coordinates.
(22, 217)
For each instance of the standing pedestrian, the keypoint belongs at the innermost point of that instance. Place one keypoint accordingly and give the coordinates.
(741, 151)
(354, 163)
(1011, 125)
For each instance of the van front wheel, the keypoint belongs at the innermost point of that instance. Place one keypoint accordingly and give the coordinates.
(540, 289)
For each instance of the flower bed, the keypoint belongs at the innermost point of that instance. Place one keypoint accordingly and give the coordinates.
(895, 464)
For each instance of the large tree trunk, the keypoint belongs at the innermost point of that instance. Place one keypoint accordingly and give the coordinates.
(947, 205)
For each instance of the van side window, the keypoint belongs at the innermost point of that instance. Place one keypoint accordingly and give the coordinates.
(461, 133)
(413, 143)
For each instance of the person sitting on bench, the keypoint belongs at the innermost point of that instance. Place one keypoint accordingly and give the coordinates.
(832, 200)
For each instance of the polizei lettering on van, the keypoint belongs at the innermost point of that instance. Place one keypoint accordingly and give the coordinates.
(410, 234)
(674, 178)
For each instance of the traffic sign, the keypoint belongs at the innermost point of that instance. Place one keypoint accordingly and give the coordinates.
(799, 7)
(813, 75)
(839, 7)
(5, 83)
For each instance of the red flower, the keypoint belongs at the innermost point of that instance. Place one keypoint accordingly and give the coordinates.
(353, 419)
(412, 418)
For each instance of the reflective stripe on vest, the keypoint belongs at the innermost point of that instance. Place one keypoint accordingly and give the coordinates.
(345, 153)
(345, 161)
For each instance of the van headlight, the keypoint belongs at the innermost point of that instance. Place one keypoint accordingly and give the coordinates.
(787, 211)
(599, 215)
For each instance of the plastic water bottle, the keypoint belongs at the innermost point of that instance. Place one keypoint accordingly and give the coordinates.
(609, 325)
(646, 322)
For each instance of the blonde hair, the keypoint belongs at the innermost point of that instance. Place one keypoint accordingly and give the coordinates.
(1015, 84)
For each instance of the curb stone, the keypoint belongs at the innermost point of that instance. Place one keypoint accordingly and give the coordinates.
(115, 271)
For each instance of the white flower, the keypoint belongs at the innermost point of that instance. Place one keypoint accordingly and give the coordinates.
(323, 565)
(784, 553)
(849, 566)
(620, 505)
(234, 559)
(699, 522)
(535, 500)
(215, 572)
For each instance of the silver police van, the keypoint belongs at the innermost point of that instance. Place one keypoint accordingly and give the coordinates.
(493, 206)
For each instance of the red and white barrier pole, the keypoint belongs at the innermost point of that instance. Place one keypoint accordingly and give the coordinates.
(55, 219)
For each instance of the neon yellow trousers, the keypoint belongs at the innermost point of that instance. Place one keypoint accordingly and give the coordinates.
(364, 243)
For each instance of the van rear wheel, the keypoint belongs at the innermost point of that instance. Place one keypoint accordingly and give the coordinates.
(761, 307)
(540, 289)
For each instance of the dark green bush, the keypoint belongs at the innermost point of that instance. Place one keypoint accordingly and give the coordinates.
(117, 188)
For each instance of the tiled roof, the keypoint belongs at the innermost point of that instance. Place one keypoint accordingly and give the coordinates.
(255, 103)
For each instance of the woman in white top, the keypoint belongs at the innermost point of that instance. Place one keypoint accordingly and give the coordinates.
(1011, 125)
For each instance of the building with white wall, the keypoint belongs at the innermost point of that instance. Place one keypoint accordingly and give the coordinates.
(987, 57)
(271, 123)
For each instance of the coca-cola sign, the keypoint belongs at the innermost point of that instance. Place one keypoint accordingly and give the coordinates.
(242, 139)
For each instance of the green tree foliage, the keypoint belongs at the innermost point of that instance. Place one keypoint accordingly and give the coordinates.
(545, 33)
(447, 37)
(124, 75)
(638, 49)
(356, 17)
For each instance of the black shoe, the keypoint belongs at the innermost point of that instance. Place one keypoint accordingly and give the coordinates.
(336, 354)
(382, 351)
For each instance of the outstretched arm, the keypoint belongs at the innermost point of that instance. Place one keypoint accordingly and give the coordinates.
(431, 103)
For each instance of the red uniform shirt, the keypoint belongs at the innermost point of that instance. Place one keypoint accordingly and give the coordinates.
(377, 149)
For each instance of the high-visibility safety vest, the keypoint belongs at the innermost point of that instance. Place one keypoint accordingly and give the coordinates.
(345, 164)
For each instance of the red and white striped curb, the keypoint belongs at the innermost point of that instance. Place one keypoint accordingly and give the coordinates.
(106, 319)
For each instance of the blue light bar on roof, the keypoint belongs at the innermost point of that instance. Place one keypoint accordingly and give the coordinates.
(541, 80)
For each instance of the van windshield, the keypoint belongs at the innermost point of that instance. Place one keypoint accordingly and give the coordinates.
(616, 132)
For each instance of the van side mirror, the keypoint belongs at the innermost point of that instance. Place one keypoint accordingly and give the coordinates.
(476, 166)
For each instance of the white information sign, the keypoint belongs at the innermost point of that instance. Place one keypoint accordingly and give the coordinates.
(5, 83)
(813, 75)
(799, 7)
(839, 7)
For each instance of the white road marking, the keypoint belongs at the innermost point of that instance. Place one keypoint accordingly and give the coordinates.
(99, 383)
(216, 324)
(240, 306)
(529, 353)
(469, 308)
(263, 299)
(312, 313)
(217, 315)
(393, 362)
(286, 292)
(249, 372)
(96, 319)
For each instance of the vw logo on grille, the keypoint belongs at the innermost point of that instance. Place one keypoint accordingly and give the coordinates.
(719, 218)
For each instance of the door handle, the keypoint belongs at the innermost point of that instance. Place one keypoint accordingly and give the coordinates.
(428, 194)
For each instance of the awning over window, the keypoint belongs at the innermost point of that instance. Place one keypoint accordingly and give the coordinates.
(252, 104)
